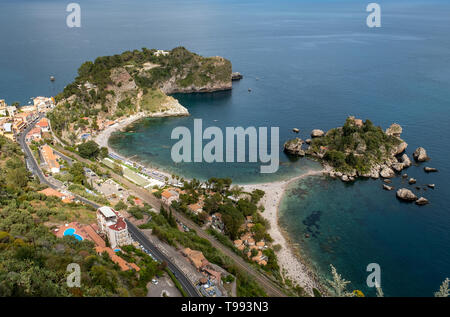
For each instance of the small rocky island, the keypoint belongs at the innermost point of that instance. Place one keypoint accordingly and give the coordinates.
(359, 149)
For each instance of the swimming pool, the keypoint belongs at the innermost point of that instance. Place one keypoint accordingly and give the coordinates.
(71, 232)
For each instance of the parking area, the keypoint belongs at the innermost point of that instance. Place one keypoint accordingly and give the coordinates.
(112, 190)
(162, 287)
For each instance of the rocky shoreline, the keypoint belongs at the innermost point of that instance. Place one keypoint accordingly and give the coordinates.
(393, 162)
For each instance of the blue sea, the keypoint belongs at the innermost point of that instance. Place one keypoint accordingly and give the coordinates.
(309, 64)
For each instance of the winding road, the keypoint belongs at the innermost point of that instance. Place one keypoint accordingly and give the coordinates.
(137, 235)
(269, 286)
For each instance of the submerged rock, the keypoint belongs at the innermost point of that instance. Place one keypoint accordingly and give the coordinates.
(420, 155)
(387, 187)
(422, 201)
(429, 169)
(296, 130)
(406, 194)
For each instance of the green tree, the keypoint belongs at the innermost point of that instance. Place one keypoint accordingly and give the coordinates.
(120, 206)
(88, 149)
(103, 152)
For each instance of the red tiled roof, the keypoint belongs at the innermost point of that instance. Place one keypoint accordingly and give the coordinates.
(124, 265)
(51, 192)
(119, 225)
(43, 123)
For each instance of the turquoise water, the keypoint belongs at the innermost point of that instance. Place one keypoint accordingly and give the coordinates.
(71, 232)
(353, 225)
(149, 141)
(309, 65)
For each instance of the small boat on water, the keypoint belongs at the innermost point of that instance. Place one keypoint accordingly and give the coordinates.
(52, 78)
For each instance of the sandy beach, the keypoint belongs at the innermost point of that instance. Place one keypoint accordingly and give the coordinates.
(103, 136)
(290, 264)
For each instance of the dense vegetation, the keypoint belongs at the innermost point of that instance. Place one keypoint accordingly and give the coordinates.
(165, 228)
(354, 147)
(234, 205)
(33, 262)
(109, 86)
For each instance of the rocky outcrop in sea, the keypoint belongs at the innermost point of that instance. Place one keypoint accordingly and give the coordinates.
(294, 147)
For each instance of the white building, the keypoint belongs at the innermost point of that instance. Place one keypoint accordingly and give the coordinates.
(161, 52)
(7, 127)
(43, 104)
(11, 110)
(113, 226)
(3, 106)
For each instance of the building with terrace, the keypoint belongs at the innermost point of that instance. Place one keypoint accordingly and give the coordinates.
(113, 226)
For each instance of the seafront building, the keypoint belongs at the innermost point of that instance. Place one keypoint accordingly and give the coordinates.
(3, 105)
(11, 111)
(28, 109)
(44, 104)
(113, 226)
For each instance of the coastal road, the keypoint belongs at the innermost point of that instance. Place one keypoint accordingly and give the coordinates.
(143, 240)
(135, 232)
(269, 286)
(33, 166)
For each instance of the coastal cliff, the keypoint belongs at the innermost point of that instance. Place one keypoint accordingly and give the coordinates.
(115, 87)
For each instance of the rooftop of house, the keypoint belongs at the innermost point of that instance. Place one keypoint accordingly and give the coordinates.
(43, 123)
(52, 192)
(107, 212)
(91, 231)
(124, 265)
(34, 131)
(194, 207)
(196, 257)
(214, 274)
(49, 156)
(119, 225)
(167, 194)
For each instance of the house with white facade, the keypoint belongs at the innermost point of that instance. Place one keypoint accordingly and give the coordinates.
(113, 226)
